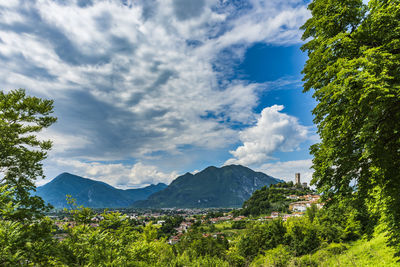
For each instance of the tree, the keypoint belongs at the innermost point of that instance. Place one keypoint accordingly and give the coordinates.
(21, 118)
(81, 214)
(261, 237)
(354, 70)
(302, 236)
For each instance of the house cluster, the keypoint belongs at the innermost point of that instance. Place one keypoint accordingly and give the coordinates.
(306, 202)
(175, 239)
(284, 216)
(183, 227)
(65, 223)
(303, 202)
(221, 219)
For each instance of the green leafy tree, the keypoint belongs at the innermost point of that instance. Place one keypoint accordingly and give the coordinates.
(338, 222)
(25, 243)
(302, 236)
(311, 212)
(81, 214)
(195, 244)
(277, 257)
(168, 227)
(261, 237)
(21, 151)
(354, 70)
(234, 257)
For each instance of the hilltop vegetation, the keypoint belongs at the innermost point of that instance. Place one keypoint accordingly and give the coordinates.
(273, 198)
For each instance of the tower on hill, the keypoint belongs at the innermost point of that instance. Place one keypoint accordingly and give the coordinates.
(297, 178)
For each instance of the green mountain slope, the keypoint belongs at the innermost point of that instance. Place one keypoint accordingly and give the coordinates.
(228, 186)
(91, 193)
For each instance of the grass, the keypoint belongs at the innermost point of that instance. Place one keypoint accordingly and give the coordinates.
(223, 225)
(362, 252)
(365, 253)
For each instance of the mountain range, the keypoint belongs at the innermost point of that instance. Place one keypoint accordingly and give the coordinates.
(228, 186)
(90, 193)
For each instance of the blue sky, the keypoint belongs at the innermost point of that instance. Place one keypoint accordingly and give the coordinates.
(147, 90)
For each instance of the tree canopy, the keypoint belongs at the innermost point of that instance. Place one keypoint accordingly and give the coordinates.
(21, 118)
(354, 70)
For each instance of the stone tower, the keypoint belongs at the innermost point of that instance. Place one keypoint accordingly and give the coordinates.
(297, 178)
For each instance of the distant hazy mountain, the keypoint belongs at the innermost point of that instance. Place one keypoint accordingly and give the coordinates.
(228, 186)
(91, 193)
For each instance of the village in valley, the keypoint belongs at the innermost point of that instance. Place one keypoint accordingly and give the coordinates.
(173, 223)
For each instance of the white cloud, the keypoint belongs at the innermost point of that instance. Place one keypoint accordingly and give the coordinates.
(64, 142)
(274, 131)
(269, 22)
(286, 170)
(142, 65)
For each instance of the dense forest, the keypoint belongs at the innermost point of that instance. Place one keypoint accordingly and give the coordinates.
(353, 70)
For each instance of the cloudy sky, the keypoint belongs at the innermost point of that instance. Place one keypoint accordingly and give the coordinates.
(146, 90)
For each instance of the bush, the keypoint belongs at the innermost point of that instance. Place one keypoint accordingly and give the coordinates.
(239, 225)
(277, 257)
(261, 237)
(302, 236)
(304, 261)
(234, 258)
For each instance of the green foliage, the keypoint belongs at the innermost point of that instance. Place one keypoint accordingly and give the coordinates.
(302, 236)
(338, 222)
(311, 212)
(170, 223)
(184, 260)
(21, 117)
(114, 243)
(198, 245)
(80, 214)
(214, 214)
(239, 224)
(354, 70)
(11, 240)
(277, 257)
(261, 237)
(234, 257)
(359, 253)
(24, 243)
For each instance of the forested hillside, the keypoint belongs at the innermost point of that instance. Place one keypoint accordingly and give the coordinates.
(277, 197)
(228, 186)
